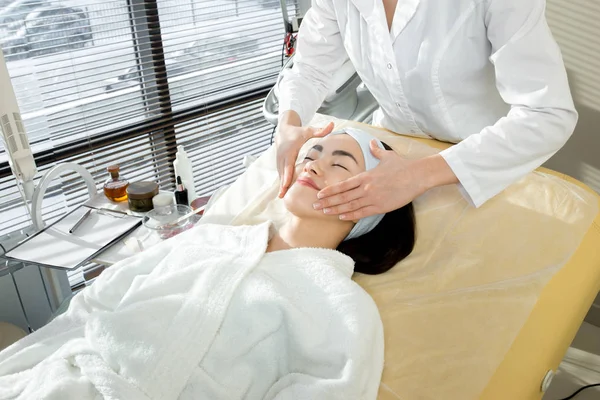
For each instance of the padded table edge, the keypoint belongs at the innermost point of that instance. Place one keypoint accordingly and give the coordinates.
(555, 319)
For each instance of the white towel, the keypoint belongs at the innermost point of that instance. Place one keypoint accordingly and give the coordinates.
(207, 315)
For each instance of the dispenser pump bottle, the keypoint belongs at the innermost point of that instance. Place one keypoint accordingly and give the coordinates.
(183, 168)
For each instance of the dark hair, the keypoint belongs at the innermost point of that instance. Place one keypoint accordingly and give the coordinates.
(392, 240)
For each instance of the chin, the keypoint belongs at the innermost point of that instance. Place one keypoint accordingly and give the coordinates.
(299, 200)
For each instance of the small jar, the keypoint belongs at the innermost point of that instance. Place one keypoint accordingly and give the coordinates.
(140, 195)
(162, 202)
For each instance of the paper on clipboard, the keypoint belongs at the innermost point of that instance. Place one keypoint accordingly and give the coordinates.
(56, 247)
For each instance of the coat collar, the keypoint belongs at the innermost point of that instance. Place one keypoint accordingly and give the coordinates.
(367, 8)
(374, 13)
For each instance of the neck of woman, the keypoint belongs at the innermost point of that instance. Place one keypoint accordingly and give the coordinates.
(307, 232)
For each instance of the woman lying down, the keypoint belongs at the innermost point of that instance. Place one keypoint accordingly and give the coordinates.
(223, 312)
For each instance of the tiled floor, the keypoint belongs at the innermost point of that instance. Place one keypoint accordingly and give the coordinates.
(580, 367)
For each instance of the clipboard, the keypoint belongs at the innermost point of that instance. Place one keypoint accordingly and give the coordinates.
(55, 247)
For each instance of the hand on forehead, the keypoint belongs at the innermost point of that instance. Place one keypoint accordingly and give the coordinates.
(338, 146)
(363, 139)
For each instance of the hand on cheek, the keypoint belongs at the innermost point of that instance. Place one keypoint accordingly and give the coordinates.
(389, 186)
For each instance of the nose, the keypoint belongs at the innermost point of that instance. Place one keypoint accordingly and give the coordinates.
(313, 168)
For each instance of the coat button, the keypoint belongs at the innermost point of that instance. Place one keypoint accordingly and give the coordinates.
(389, 66)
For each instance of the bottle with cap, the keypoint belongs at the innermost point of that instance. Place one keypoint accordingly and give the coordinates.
(115, 187)
(181, 194)
(183, 169)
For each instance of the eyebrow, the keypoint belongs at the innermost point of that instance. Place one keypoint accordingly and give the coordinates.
(319, 148)
(344, 153)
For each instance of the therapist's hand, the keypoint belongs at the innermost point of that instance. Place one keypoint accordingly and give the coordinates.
(394, 183)
(289, 140)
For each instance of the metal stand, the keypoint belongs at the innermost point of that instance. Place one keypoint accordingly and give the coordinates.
(11, 272)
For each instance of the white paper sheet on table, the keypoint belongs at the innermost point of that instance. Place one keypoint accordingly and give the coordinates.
(56, 248)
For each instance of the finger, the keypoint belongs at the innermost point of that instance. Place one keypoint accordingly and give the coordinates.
(358, 214)
(287, 179)
(341, 187)
(338, 199)
(346, 207)
(326, 130)
(330, 203)
(281, 170)
(320, 132)
(377, 151)
(280, 164)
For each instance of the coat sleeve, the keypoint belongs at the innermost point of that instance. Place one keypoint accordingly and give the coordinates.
(320, 53)
(531, 78)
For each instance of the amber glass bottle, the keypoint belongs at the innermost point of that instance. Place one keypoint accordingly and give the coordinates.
(115, 187)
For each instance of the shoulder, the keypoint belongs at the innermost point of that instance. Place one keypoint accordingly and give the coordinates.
(513, 9)
(329, 270)
(508, 21)
(366, 306)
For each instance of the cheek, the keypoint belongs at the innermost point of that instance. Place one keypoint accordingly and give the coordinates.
(334, 177)
(337, 175)
(299, 199)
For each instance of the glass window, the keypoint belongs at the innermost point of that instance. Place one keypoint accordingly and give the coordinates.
(126, 81)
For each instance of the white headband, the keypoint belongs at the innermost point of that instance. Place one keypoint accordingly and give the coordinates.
(367, 224)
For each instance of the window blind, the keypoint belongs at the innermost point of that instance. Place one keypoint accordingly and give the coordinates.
(215, 58)
(127, 81)
(59, 58)
(217, 143)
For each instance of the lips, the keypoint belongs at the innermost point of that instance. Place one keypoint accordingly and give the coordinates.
(307, 182)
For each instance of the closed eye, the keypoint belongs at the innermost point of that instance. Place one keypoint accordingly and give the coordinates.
(308, 158)
(341, 166)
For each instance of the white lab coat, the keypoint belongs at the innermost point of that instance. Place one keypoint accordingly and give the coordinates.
(485, 73)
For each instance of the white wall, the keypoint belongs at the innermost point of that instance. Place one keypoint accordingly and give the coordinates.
(576, 27)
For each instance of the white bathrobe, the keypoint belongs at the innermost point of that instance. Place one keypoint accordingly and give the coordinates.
(208, 315)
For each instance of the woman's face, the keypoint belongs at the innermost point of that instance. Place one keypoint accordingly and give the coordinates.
(333, 159)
